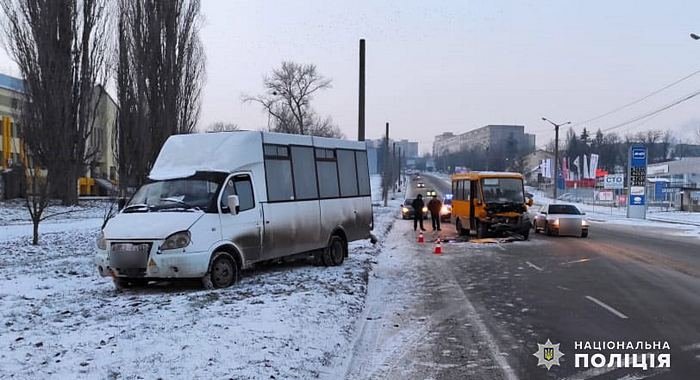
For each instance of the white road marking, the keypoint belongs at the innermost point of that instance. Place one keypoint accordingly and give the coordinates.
(563, 288)
(606, 306)
(531, 265)
(576, 261)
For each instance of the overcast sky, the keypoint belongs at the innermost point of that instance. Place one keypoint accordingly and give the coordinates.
(436, 66)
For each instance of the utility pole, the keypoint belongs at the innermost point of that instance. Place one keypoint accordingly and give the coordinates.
(385, 168)
(399, 169)
(361, 108)
(393, 167)
(556, 151)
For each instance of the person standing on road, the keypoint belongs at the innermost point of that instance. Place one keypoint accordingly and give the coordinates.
(435, 206)
(418, 212)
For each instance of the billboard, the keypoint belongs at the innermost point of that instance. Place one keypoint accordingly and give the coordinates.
(614, 181)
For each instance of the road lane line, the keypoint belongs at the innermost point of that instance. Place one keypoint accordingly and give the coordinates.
(606, 306)
(531, 265)
(563, 288)
(575, 261)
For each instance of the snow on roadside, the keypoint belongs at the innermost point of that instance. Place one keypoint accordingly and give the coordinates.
(15, 211)
(60, 320)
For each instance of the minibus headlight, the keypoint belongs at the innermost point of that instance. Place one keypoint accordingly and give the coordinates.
(176, 240)
(404, 210)
(425, 209)
(101, 242)
(445, 210)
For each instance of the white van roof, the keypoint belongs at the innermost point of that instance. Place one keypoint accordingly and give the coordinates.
(183, 155)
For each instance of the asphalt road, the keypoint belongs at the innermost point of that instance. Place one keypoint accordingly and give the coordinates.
(623, 283)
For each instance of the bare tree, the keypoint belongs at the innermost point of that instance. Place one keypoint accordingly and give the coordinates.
(289, 91)
(221, 126)
(159, 79)
(60, 48)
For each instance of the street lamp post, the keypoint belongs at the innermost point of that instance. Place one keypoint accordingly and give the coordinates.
(556, 151)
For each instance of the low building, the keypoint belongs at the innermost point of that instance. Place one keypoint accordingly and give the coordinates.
(681, 178)
(102, 169)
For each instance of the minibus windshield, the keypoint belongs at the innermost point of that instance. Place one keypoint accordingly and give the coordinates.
(503, 190)
(193, 193)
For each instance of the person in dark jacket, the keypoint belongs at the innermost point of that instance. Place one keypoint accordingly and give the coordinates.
(435, 206)
(418, 212)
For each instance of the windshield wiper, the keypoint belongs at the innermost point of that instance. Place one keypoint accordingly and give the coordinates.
(175, 200)
(137, 205)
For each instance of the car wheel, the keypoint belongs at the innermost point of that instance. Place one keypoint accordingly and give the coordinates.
(526, 234)
(584, 234)
(336, 251)
(223, 272)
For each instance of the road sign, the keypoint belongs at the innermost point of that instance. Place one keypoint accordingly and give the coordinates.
(637, 180)
(614, 181)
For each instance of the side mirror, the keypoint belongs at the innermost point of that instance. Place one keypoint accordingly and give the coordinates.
(583, 213)
(543, 212)
(232, 203)
(401, 205)
(530, 202)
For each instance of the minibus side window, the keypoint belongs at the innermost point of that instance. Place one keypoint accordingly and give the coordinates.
(304, 172)
(327, 173)
(229, 189)
(278, 173)
(244, 190)
(347, 173)
(466, 187)
(459, 191)
(362, 172)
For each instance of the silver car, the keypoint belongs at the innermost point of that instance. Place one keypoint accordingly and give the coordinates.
(561, 220)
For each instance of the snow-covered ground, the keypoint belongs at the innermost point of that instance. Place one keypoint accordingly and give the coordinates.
(60, 320)
(15, 211)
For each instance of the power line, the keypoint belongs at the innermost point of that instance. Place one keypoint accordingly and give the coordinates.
(638, 100)
(652, 113)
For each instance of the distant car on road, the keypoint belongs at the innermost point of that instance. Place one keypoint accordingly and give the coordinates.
(446, 211)
(430, 193)
(420, 185)
(407, 211)
(561, 220)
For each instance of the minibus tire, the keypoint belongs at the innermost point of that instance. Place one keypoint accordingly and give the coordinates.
(336, 251)
(221, 262)
(481, 230)
(460, 230)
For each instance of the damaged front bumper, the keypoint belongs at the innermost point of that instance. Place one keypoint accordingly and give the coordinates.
(156, 265)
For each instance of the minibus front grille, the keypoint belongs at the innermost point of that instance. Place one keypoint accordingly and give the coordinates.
(130, 259)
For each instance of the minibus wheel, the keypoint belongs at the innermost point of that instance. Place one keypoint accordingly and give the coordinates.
(461, 230)
(223, 271)
(334, 254)
(481, 230)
